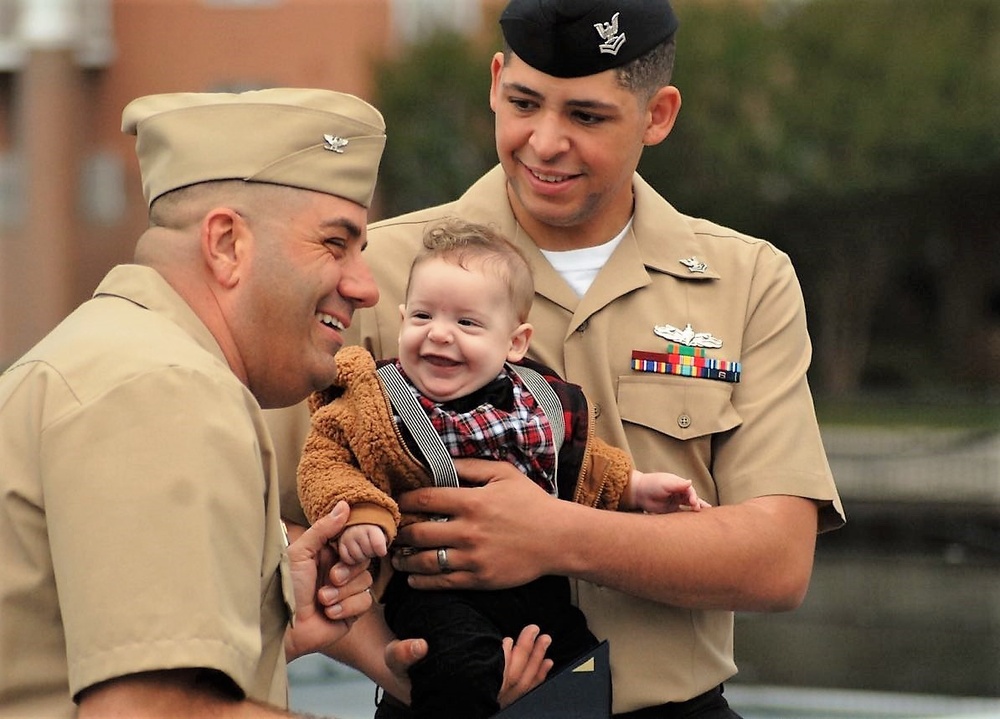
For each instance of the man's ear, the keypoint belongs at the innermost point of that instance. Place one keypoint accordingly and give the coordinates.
(224, 238)
(519, 341)
(496, 69)
(662, 110)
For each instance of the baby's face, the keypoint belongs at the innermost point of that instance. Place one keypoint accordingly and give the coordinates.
(458, 328)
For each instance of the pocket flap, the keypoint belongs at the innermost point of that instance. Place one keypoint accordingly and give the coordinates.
(681, 407)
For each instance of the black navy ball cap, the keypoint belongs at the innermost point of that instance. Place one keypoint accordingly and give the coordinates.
(573, 38)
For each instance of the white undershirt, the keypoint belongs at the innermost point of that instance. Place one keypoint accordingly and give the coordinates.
(580, 267)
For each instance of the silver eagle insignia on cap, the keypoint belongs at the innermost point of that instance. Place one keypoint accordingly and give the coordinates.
(687, 336)
(335, 143)
(609, 33)
(694, 264)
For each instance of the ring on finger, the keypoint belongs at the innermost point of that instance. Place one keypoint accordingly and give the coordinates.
(442, 557)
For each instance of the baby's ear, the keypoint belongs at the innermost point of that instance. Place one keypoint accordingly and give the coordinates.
(519, 341)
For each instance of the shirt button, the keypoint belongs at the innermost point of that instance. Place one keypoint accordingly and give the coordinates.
(684, 421)
(583, 326)
(597, 409)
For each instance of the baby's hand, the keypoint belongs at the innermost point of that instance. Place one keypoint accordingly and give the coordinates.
(662, 492)
(361, 542)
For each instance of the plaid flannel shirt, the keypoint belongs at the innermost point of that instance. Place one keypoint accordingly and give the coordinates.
(520, 434)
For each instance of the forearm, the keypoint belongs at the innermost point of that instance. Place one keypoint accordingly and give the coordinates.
(172, 693)
(755, 556)
(364, 648)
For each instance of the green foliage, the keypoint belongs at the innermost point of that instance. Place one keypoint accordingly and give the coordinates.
(727, 134)
(822, 100)
(435, 100)
(951, 410)
(904, 92)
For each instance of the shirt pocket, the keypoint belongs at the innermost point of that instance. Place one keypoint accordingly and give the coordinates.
(684, 408)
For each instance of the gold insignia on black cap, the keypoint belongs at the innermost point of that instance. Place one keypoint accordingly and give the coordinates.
(558, 37)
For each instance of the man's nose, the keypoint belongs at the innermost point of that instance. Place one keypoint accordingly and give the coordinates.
(548, 138)
(357, 283)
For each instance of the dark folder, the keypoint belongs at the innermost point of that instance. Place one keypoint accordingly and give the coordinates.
(581, 690)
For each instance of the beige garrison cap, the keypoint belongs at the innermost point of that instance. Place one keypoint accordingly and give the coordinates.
(310, 139)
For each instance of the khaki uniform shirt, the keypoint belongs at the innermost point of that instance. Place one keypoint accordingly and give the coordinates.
(736, 441)
(139, 524)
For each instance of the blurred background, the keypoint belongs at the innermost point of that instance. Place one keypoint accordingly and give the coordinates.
(860, 136)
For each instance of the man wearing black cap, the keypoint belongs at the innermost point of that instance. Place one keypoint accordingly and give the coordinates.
(689, 338)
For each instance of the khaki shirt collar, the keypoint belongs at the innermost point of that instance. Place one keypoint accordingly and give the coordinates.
(664, 236)
(145, 287)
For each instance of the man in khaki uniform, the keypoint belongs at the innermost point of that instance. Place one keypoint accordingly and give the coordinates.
(144, 570)
(690, 338)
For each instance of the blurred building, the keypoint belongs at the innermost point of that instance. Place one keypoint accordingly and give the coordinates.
(70, 198)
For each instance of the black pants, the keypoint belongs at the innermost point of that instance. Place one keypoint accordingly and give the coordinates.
(463, 671)
(710, 705)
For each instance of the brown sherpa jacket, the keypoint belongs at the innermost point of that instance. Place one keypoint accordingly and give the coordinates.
(355, 452)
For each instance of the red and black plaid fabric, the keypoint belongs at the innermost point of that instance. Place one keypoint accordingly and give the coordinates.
(576, 415)
(522, 436)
